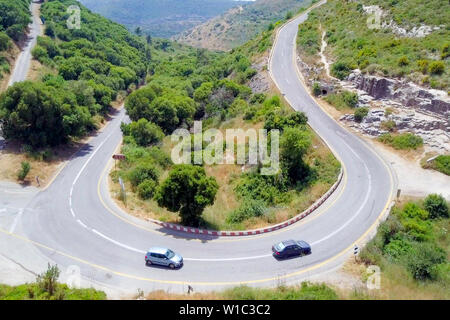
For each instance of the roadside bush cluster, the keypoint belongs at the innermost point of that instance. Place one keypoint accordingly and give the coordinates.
(47, 287)
(343, 99)
(440, 163)
(409, 238)
(403, 141)
(307, 291)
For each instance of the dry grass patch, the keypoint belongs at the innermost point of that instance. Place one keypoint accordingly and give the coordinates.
(11, 56)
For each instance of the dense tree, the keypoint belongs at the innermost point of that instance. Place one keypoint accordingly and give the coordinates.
(163, 112)
(41, 115)
(148, 38)
(138, 103)
(5, 43)
(144, 133)
(294, 145)
(14, 17)
(187, 190)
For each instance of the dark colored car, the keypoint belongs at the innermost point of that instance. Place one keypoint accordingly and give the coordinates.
(291, 248)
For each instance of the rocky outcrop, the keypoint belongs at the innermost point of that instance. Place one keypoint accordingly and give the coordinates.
(433, 131)
(402, 92)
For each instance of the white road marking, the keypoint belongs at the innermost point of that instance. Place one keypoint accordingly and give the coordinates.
(82, 224)
(118, 243)
(228, 259)
(81, 171)
(366, 198)
(186, 259)
(16, 220)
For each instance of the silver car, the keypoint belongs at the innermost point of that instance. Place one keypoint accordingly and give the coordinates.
(163, 257)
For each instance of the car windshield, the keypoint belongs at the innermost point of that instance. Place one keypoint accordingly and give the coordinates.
(170, 254)
(280, 246)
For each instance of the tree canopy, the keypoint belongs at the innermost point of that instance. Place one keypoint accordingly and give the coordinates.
(187, 190)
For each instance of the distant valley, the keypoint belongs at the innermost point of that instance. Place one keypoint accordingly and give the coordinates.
(240, 24)
(161, 18)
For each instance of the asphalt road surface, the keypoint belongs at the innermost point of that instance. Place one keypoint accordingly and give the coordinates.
(23, 62)
(75, 222)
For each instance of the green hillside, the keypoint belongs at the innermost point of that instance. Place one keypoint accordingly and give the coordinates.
(14, 18)
(89, 67)
(383, 51)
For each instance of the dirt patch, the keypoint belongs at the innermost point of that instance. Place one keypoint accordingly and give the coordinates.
(38, 70)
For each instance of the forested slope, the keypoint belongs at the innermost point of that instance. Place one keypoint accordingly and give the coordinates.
(93, 64)
(14, 19)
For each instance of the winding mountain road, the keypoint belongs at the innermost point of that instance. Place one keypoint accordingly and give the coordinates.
(75, 222)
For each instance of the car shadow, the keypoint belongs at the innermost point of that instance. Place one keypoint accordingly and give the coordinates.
(290, 258)
(157, 266)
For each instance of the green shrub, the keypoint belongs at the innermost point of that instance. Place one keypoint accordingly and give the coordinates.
(442, 164)
(441, 272)
(360, 113)
(144, 132)
(306, 291)
(40, 54)
(142, 172)
(248, 209)
(423, 258)
(436, 67)
(25, 169)
(397, 249)
(402, 141)
(289, 15)
(340, 70)
(146, 189)
(268, 189)
(403, 61)
(388, 125)
(316, 89)
(423, 66)
(5, 42)
(437, 206)
(342, 100)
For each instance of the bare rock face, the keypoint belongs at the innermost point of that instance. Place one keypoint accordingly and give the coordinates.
(260, 82)
(432, 130)
(377, 87)
(405, 93)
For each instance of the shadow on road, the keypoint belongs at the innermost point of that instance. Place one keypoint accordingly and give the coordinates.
(187, 236)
